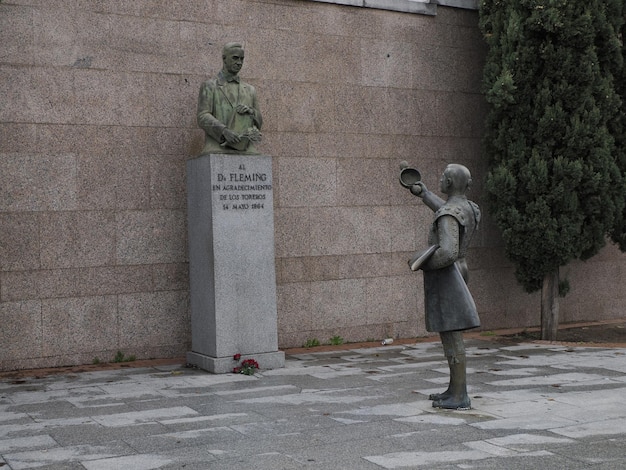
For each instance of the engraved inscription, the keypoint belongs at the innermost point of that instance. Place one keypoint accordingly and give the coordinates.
(241, 190)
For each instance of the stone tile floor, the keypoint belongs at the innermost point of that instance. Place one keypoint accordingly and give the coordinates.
(534, 406)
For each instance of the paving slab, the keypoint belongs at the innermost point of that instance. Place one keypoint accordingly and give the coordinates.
(534, 406)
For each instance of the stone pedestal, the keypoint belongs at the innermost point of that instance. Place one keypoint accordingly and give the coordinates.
(231, 262)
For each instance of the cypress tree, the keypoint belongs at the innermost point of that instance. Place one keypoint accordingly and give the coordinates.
(618, 125)
(554, 185)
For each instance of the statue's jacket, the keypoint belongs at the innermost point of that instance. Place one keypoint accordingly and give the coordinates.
(449, 303)
(217, 101)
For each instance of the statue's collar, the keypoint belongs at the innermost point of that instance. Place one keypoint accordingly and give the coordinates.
(225, 77)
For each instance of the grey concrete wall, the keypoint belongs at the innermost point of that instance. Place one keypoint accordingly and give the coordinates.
(97, 119)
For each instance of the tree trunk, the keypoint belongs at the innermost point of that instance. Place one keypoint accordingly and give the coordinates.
(550, 306)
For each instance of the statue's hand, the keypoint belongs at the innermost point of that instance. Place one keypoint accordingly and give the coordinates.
(243, 109)
(230, 136)
(418, 189)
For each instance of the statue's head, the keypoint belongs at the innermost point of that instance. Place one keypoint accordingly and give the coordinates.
(456, 179)
(232, 56)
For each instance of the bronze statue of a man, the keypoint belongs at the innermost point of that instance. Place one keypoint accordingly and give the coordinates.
(450, 308)
(228, 110)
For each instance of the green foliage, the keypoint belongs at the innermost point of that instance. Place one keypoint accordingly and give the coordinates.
(554, 136)
(310, 343)
(336, 340)
(120, 357)
(617, 126)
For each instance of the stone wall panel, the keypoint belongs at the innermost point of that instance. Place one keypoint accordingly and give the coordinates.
(307, 182)
(172, 276)
(97, 181)
(393, 299)
(79, 325)
(132, 181)
(350, 146)
(37, 182)
(152, 320)
(338, 303)
(111, 98)
(362, 110)
(350, 230)
(292, 232)
(167, 182)
(24, 317)
(367, 181)
(294, 304)
(80, 282)
(387, 64)
(17, 137)
(16, 34)
(19, 241)
(77, 239)
(151, 237)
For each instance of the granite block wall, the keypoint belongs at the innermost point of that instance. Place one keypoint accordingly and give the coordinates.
(97, 119)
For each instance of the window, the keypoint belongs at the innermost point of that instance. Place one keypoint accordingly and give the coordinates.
(423, 7)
